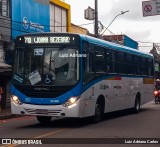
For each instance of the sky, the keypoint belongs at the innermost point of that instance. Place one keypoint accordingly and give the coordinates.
(132, 23)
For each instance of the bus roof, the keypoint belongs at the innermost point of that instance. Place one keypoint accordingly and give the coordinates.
(115, 46)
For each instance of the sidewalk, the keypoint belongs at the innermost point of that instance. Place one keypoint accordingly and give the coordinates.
(6, 114)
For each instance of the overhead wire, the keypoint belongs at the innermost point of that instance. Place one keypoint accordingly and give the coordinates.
(16, 26)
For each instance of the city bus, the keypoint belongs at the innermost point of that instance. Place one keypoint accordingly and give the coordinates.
(66, 75)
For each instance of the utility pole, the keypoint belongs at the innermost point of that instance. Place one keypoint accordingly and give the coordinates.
(96, 19)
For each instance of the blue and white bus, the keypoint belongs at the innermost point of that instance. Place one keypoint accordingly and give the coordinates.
(73, 75)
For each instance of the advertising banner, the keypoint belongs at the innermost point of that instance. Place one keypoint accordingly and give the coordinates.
(29, 16)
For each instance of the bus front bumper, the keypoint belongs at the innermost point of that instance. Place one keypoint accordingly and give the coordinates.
(46, 110)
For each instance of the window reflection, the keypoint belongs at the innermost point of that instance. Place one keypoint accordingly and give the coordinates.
(47, 66)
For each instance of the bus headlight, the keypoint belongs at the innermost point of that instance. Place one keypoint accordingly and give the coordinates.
(71, 101)
(16, 99)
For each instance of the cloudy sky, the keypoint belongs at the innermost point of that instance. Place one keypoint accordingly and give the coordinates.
(132, 24)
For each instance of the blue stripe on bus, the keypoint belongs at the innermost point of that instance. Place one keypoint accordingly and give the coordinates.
(76, 91)
(90, 84)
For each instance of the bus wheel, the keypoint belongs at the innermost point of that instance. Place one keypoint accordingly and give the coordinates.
(137, 105)
(98, 113)
(44, 119)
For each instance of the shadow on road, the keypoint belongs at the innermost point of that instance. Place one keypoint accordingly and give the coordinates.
(77, 122)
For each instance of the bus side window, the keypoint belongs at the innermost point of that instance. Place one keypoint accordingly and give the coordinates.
(88, 66)
(20, 60)
(109, 60)
(129, 64)
(119, 62)
(150, 67)
(100, 65)
(144, 66)
(137, 67)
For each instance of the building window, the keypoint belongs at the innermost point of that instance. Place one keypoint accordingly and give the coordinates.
(4, 8)
(58, 19)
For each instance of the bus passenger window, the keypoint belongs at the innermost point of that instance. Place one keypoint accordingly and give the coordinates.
(137, 66)
(129, 64)
(150, 67)
(144, 66)
(88, 66)
(119, 62)
(100, 60)
(109, 60)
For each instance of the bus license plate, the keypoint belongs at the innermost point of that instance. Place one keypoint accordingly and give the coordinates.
(42, 111)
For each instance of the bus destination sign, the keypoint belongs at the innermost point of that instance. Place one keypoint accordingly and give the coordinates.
(48, 39)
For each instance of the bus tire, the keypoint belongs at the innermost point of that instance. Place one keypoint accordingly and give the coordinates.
(99, 110)
(137, 105)
(98, 114)
(44, 119)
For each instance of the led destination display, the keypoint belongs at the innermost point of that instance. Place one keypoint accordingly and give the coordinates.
(48, 39)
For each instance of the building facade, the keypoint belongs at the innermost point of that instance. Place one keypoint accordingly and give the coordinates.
(30, 16)
(122, 39)
(78, 29)
(5, 43)
(18, 17)
(60, 17)
(156, 53)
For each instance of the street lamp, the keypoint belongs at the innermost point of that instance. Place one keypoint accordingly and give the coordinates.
(122, 12)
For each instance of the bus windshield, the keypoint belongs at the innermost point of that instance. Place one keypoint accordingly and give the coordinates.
(46, 66)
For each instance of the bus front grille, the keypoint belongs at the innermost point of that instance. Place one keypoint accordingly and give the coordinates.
(49, 112)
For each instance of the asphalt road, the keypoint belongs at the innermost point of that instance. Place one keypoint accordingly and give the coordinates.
(117, 126)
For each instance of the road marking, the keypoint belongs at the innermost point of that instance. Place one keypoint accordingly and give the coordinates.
(52, 133)
(40, 136)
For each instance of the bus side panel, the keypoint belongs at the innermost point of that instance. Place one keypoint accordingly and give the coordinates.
(143, 86)
(136, 86)
(102, 88)
(121, 90)
(148, 85)
(109, 95)
(89, 101)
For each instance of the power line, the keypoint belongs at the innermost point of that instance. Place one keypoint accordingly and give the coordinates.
(86, 24)
(146, 46)
(16, 27)
(144, 42)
